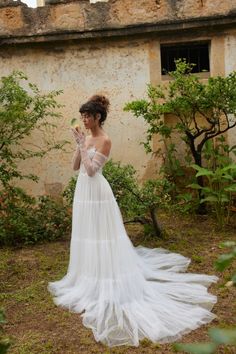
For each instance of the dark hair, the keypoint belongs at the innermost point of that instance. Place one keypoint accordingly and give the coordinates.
(96, 104)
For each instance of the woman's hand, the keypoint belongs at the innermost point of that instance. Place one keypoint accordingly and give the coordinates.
(79, 136)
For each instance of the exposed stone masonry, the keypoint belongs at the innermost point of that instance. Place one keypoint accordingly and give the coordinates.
(80, 19)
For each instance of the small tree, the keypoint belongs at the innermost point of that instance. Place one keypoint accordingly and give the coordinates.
(202, 111)
(21, 111)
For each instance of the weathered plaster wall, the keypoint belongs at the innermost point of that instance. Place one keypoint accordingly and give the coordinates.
(230, 65)
(119, 70)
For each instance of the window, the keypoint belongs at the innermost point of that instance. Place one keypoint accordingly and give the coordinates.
(197, 53)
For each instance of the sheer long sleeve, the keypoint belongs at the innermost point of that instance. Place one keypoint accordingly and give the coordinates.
(94, 164)
(76, 159)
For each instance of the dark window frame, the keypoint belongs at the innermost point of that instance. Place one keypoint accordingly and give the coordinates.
(194, 52)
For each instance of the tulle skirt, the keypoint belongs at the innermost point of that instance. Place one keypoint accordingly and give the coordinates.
(126, 293)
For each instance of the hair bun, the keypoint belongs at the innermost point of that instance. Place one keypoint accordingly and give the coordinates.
(102, 100)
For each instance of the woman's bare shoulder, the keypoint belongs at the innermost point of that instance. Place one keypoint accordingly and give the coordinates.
(105, 146)
(104, 140)
(107, 140)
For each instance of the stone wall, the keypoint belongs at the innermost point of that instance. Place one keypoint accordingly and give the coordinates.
(17, 20)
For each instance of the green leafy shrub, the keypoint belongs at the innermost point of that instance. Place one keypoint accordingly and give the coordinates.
(122, 179)
(24, 109)
(185, 203)
(225, 260)
(16, 221)
(26, 220)
(68, 192)
(218, 190)
(154, 194)
(53, 219)
(218, 153)
(4, 341)
(218, 336)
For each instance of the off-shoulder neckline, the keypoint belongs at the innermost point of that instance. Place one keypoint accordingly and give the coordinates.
(94, 147)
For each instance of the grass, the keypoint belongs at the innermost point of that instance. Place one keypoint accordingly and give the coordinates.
(36, 325)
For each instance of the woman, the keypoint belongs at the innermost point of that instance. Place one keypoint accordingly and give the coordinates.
(127, 293)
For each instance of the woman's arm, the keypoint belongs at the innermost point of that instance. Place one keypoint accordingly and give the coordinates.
(76, 159)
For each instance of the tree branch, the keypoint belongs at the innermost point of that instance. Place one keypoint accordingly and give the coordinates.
(210, 136)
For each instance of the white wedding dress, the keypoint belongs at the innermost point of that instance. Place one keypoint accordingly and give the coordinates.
(127, 293)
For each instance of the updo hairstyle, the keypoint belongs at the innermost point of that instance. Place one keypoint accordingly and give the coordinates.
(96, 104)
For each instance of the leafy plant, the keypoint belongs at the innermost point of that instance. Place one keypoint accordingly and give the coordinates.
(4, 341)
(123, 182)
(185, 203)
(217, 153)
(22, 110)
(172, 166)
(218, 191)
(53, 220)
(26, 220)
(68, 192)
(218, 337)
(154, 194)
(16, 220)
(225, 260)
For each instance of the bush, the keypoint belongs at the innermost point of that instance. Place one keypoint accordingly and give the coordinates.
(220, 186)
(26, 220)
(122, 179)
(23, 109)
(4, 340)
(53, 219)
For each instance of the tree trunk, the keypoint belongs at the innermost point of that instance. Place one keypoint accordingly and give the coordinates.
(157, 228)
(202, 207)
(197, 156)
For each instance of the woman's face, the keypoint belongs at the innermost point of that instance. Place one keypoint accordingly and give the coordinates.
(89, 120)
